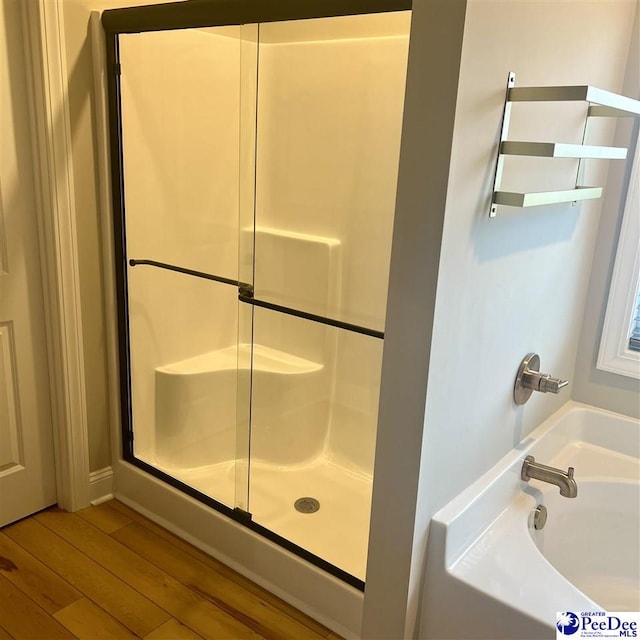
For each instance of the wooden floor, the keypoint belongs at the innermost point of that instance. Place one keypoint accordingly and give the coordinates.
(107, 572)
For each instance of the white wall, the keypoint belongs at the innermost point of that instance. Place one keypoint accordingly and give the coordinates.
(516, 283)
(430, 106)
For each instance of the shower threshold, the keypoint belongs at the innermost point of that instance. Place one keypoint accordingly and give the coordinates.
(337, 533)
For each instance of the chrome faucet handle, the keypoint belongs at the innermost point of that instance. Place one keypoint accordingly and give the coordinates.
(529, 379)
(553, 385)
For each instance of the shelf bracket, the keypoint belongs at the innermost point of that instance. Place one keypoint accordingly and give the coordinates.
(504, 132)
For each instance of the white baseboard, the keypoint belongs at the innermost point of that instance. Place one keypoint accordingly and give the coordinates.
(100, 486)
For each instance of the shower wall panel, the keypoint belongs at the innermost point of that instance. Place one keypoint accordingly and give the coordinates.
(330, 103)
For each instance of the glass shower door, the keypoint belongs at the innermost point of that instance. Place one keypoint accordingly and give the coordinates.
(184, 150)
(259, 167)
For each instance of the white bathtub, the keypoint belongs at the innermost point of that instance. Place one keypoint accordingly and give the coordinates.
(491, 575)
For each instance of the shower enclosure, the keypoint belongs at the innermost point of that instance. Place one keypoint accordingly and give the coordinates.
(254, 160)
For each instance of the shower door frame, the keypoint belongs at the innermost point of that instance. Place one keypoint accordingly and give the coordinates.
(186, 15)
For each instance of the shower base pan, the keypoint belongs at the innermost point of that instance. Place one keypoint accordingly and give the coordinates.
(337, 532)
(333, 602)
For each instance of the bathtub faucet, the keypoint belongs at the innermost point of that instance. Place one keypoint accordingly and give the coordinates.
(532, 469)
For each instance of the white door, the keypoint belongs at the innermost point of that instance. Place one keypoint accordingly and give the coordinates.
(27, 475)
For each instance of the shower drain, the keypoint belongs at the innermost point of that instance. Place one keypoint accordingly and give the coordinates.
(306, 505)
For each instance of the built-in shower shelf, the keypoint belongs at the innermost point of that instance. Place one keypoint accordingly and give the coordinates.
(601, 104)
(562, 150)
(539, 198)
(265, 359)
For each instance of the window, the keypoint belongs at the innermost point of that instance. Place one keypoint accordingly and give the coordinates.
(620, 343)
(634, 340)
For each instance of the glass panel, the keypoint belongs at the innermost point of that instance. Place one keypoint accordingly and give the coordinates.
(314, 418)
(183, 377)
(181, 147)
(180, 114)
(330, 101)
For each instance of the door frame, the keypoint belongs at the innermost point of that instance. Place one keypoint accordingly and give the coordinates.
(50, 121)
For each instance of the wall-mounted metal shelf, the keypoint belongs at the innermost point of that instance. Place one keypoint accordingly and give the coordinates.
(562, 150)
(601, 104)
(585, 93)
(546, 197)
